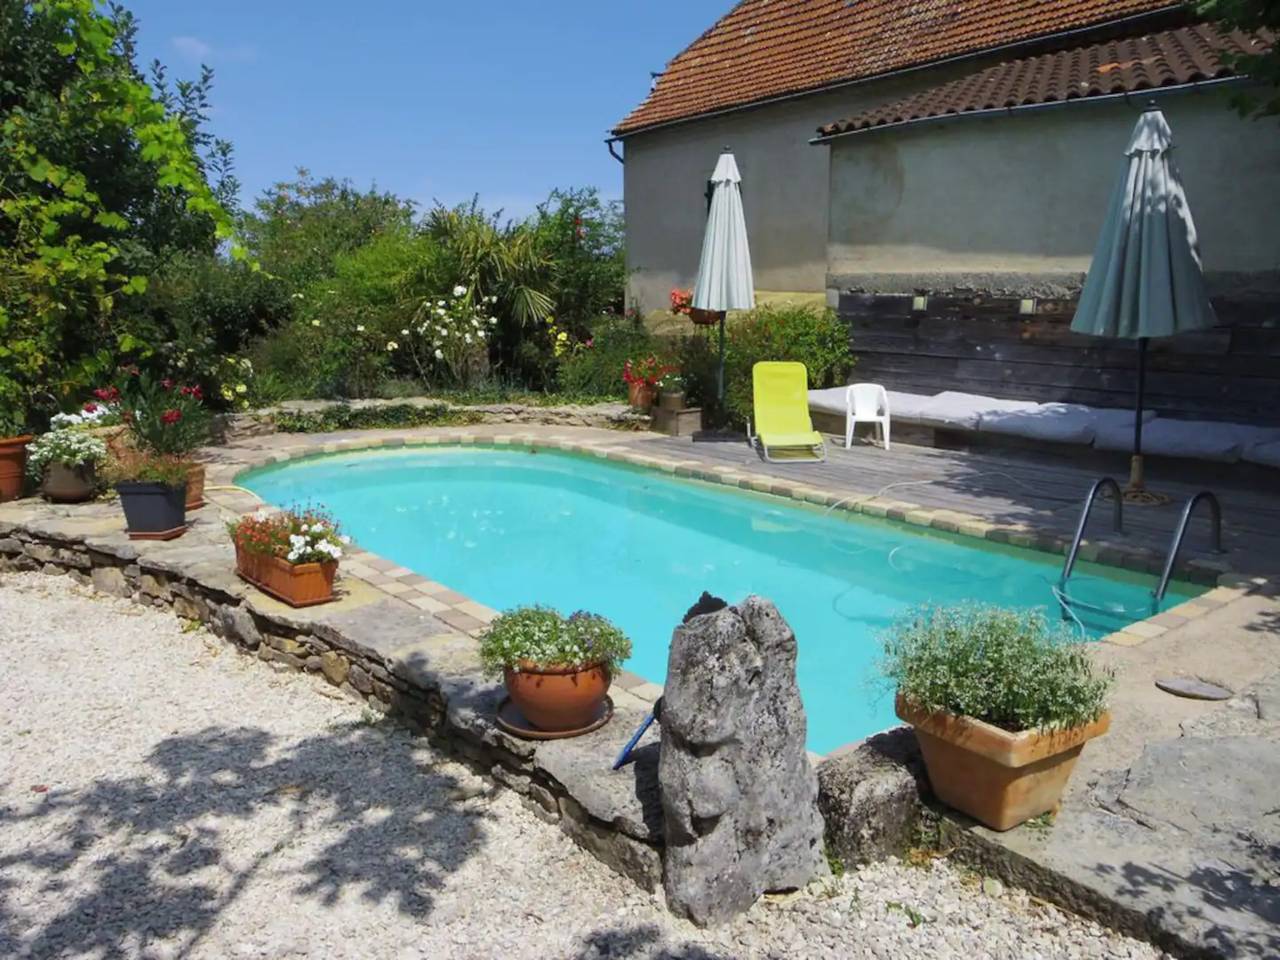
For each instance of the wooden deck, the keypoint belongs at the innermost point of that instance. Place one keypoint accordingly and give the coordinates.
(1042, 491)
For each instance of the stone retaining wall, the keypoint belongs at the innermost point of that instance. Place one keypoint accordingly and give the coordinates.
(613, 416)
(379, 654)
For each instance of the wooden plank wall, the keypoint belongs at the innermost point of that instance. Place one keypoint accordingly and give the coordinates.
(983, 345)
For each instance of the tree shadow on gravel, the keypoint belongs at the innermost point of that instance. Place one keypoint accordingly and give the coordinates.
(137, 846)
(639, 943)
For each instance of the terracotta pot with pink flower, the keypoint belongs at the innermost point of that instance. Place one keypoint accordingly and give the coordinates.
(642, 377)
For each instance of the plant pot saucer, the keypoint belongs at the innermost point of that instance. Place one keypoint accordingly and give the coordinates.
(172, 534)
(513, 721)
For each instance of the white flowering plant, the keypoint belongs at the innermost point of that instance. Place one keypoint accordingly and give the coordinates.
(448, 337)
(95, 413)
(528, 638)
(307, 535)
(68, 446)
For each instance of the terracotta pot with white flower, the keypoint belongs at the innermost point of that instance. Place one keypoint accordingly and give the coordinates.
(557, 670)
(291, 555)
(65, 462)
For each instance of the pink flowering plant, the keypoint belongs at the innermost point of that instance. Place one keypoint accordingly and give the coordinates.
(163, 417)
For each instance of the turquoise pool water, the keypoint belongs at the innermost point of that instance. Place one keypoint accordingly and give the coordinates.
(510, 526)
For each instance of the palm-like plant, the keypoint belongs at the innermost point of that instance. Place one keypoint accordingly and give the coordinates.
(491, 259)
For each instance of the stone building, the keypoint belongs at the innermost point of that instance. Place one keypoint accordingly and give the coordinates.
(942, 170)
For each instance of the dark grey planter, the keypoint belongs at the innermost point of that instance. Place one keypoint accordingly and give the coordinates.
(152, 509)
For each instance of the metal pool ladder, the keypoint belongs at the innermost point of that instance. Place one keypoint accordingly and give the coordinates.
(1215, 519)
(1179, 534)
(1117, 522)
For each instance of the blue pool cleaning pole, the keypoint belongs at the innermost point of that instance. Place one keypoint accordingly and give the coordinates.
(625, 754)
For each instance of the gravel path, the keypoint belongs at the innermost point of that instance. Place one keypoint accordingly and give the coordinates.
(163, 796)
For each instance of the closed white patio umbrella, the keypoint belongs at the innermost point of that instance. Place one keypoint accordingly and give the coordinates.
(724, 272)
(1145, 279)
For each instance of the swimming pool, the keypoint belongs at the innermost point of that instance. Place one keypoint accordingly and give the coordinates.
(512, 526)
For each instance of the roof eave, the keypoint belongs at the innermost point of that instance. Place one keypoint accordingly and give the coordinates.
(1143, 95)
(619, 133)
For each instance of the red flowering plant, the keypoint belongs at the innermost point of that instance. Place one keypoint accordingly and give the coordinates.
(648, 371)
(298, 535)
(164, 417)
(681, 301)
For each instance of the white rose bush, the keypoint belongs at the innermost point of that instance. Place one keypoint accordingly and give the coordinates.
(448, 339)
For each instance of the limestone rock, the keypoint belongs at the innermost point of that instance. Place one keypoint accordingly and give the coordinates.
(237, 623)
(111, 580)
(870, 797)
(739, 796)
(335, 667)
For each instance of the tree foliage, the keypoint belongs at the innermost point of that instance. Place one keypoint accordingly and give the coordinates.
(99, 177)
(300, 228)
(1251, 17)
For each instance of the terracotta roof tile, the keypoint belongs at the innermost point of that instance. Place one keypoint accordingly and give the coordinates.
(1130, 65)
(763, 49)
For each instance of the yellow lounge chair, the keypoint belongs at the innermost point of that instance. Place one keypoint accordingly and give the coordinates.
(780, 394)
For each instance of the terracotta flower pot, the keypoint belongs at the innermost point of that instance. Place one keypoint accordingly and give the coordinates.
(558, 698)
(705, 318)
(297, 584)
(64, 484)
(116, 438)
(642, 395)
(195, 486)
(999, 778)
(13, 463)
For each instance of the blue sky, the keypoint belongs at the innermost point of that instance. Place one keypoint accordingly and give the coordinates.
(427, 98)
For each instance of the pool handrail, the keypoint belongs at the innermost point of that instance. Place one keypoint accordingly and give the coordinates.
(1117, 521)
(1215, 521)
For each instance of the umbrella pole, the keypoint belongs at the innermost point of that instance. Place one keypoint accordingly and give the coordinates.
(720, 371)
(1136, 479)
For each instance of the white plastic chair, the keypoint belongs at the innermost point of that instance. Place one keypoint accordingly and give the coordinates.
(866, 403)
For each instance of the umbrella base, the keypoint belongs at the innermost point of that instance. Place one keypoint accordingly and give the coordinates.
(1136, 492)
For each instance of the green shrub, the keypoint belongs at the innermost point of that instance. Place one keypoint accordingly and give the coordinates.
(381, 417)
(593, 367)
(811, 335)
(542, 637)
(1009, 668)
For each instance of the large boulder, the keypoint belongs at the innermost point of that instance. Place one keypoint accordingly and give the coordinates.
(870, 797)
(739, 796)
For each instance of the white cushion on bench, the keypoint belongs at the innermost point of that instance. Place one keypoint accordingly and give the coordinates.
(910, 407)
(1193, 439)
(1060, 422)
(830, 400)
(1056, 422)
(964, 411)
(906, 407)
(1267, 454)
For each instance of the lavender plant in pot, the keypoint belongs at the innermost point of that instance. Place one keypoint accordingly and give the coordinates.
(1002, 704)
(557, 669)
(65, 462)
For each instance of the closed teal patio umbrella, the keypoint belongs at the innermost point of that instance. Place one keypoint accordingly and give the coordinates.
(1145, 279)
(724, 271)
